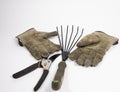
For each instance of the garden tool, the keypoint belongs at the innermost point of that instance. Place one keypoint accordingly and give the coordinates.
(67, 43)
(37, 43)
(92, 48)
(44, 63)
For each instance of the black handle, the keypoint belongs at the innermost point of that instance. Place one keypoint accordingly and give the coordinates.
(25, 71)
(57, 82)
(44, 75)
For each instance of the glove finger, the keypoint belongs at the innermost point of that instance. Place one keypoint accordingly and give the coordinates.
(37, 55)
(88, 40)
(53, 48)
(44, 51)
(75, 54)
(88, 58)
(97, 59)
(45, 35)
(87, 62)
(40, 35)
(50, 46)
(50, 34)
(81, 59)
(34, 50)
(38, 51)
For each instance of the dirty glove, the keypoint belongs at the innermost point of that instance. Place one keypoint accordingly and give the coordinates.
(37, 43)
(92, 48)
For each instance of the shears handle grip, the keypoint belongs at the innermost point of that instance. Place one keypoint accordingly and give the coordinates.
(26, 71)
(44, 75)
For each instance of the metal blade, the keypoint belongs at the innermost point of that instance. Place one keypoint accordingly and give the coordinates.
(52, 58)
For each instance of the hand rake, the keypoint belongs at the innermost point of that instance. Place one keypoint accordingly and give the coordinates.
(67, 42)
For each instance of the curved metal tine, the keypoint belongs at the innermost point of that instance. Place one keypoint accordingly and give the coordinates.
(62, 43)
(58, 36)
(66, 38)
(70, 39)
(78, 38)
(73, 39)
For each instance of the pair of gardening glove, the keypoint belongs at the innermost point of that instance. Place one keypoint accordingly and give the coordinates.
(37, 43)
(90, 51)
(92, 48)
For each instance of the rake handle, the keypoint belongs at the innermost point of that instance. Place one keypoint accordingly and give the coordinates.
(57, 82)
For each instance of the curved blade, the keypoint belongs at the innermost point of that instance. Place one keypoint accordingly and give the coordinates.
(52, 58)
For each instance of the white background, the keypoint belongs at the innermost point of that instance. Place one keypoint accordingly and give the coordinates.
(16, 16)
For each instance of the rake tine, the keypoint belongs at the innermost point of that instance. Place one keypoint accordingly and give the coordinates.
(66, 38)
(70, 37)
(73, 40)
(58, 37)
(78, 38)
(62, 38)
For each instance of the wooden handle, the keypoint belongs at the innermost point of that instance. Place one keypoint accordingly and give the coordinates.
(57, 82)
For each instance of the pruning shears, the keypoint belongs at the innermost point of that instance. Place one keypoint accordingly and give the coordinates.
(44, 63)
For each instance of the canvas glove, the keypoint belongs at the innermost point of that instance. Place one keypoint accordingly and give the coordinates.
(37, 43)
(92, 48)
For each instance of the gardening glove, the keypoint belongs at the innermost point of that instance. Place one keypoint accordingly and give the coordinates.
(92, 48)
(37, 43)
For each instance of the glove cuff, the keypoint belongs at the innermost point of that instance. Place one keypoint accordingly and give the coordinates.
(21, 38)
(112, 39)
